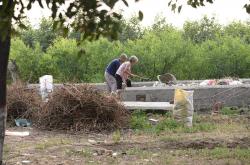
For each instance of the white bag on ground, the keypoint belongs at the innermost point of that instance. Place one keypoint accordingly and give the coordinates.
(183, 107)
(46, 86)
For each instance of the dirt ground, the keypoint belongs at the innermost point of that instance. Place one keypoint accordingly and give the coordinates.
(228, 143)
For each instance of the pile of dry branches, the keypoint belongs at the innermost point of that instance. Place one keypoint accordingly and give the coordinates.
(22, 102)
(81, 107)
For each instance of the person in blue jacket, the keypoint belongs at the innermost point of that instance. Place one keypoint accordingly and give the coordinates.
(111, 71)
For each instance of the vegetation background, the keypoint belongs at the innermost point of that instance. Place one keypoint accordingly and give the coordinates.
(200, 50)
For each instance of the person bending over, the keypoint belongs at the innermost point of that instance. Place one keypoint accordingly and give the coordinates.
(124, 72)
(111, 70)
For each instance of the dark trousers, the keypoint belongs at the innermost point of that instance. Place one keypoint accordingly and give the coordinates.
(119, 82)
(128, 83)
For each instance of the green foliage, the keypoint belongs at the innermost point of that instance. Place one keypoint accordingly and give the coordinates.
(231, 111)
(130, 29)
(44, 35)
(221, 51)
(86, 16)
(116, 136)
(99, 54)
(27, 59)
(168, 124)
(226, 56)
(67, 58)
(205, 29)
(140, 122)
(220, 153)
(200, 127)
(240, 30)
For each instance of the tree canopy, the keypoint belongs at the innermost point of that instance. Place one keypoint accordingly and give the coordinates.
(86, 17)
(202, 50)
(89, 18)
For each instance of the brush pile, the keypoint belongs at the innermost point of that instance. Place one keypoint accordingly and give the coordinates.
(22, 102)
(81, 108)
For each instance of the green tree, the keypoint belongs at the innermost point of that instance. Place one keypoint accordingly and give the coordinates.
(26, 59)
(44, 35)
(28, 35)
(239, 29)
(130, 29)
(159, 51)
(160, 24)
(68, 60)
(198, 32)
(100, 53)
(225, 56)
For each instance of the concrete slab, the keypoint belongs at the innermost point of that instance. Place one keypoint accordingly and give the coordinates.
(133, 105)
(204, 96)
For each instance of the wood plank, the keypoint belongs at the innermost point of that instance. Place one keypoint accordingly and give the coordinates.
(148, 105)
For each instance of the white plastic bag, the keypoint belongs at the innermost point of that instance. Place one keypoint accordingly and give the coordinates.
(235, 82)
(159, 84)
(46, 86)
(208, 82)
(183, 107)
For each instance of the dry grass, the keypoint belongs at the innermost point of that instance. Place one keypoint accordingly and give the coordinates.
(82, 107)
(22, 102)
(218, 146)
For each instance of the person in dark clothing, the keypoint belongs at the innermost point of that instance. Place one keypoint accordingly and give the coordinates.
(111, 71)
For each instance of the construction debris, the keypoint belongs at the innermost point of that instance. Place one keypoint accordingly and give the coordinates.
(114, 154)
(153, 121)
(26, 161)
(92, 141)
(167, 78)
(21, 134)
(22, 123)
(82, 107)
(224, 81)
(133, 105)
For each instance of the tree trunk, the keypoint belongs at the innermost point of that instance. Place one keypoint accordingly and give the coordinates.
(4, 57)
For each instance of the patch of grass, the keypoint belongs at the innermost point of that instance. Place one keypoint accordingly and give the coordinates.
(83, 152)
(51, 143)
(6, 150)
(139, 153)
(219, 153)
(200, 127)
(168, 124)
(230, 111)
(110, 160)
(133, 151)
(169, 114)
(24, 145)
(9, 152)
(116, 136)
(170, 138)
(140, 123)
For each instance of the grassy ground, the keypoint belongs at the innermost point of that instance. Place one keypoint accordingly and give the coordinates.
(222, 139)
